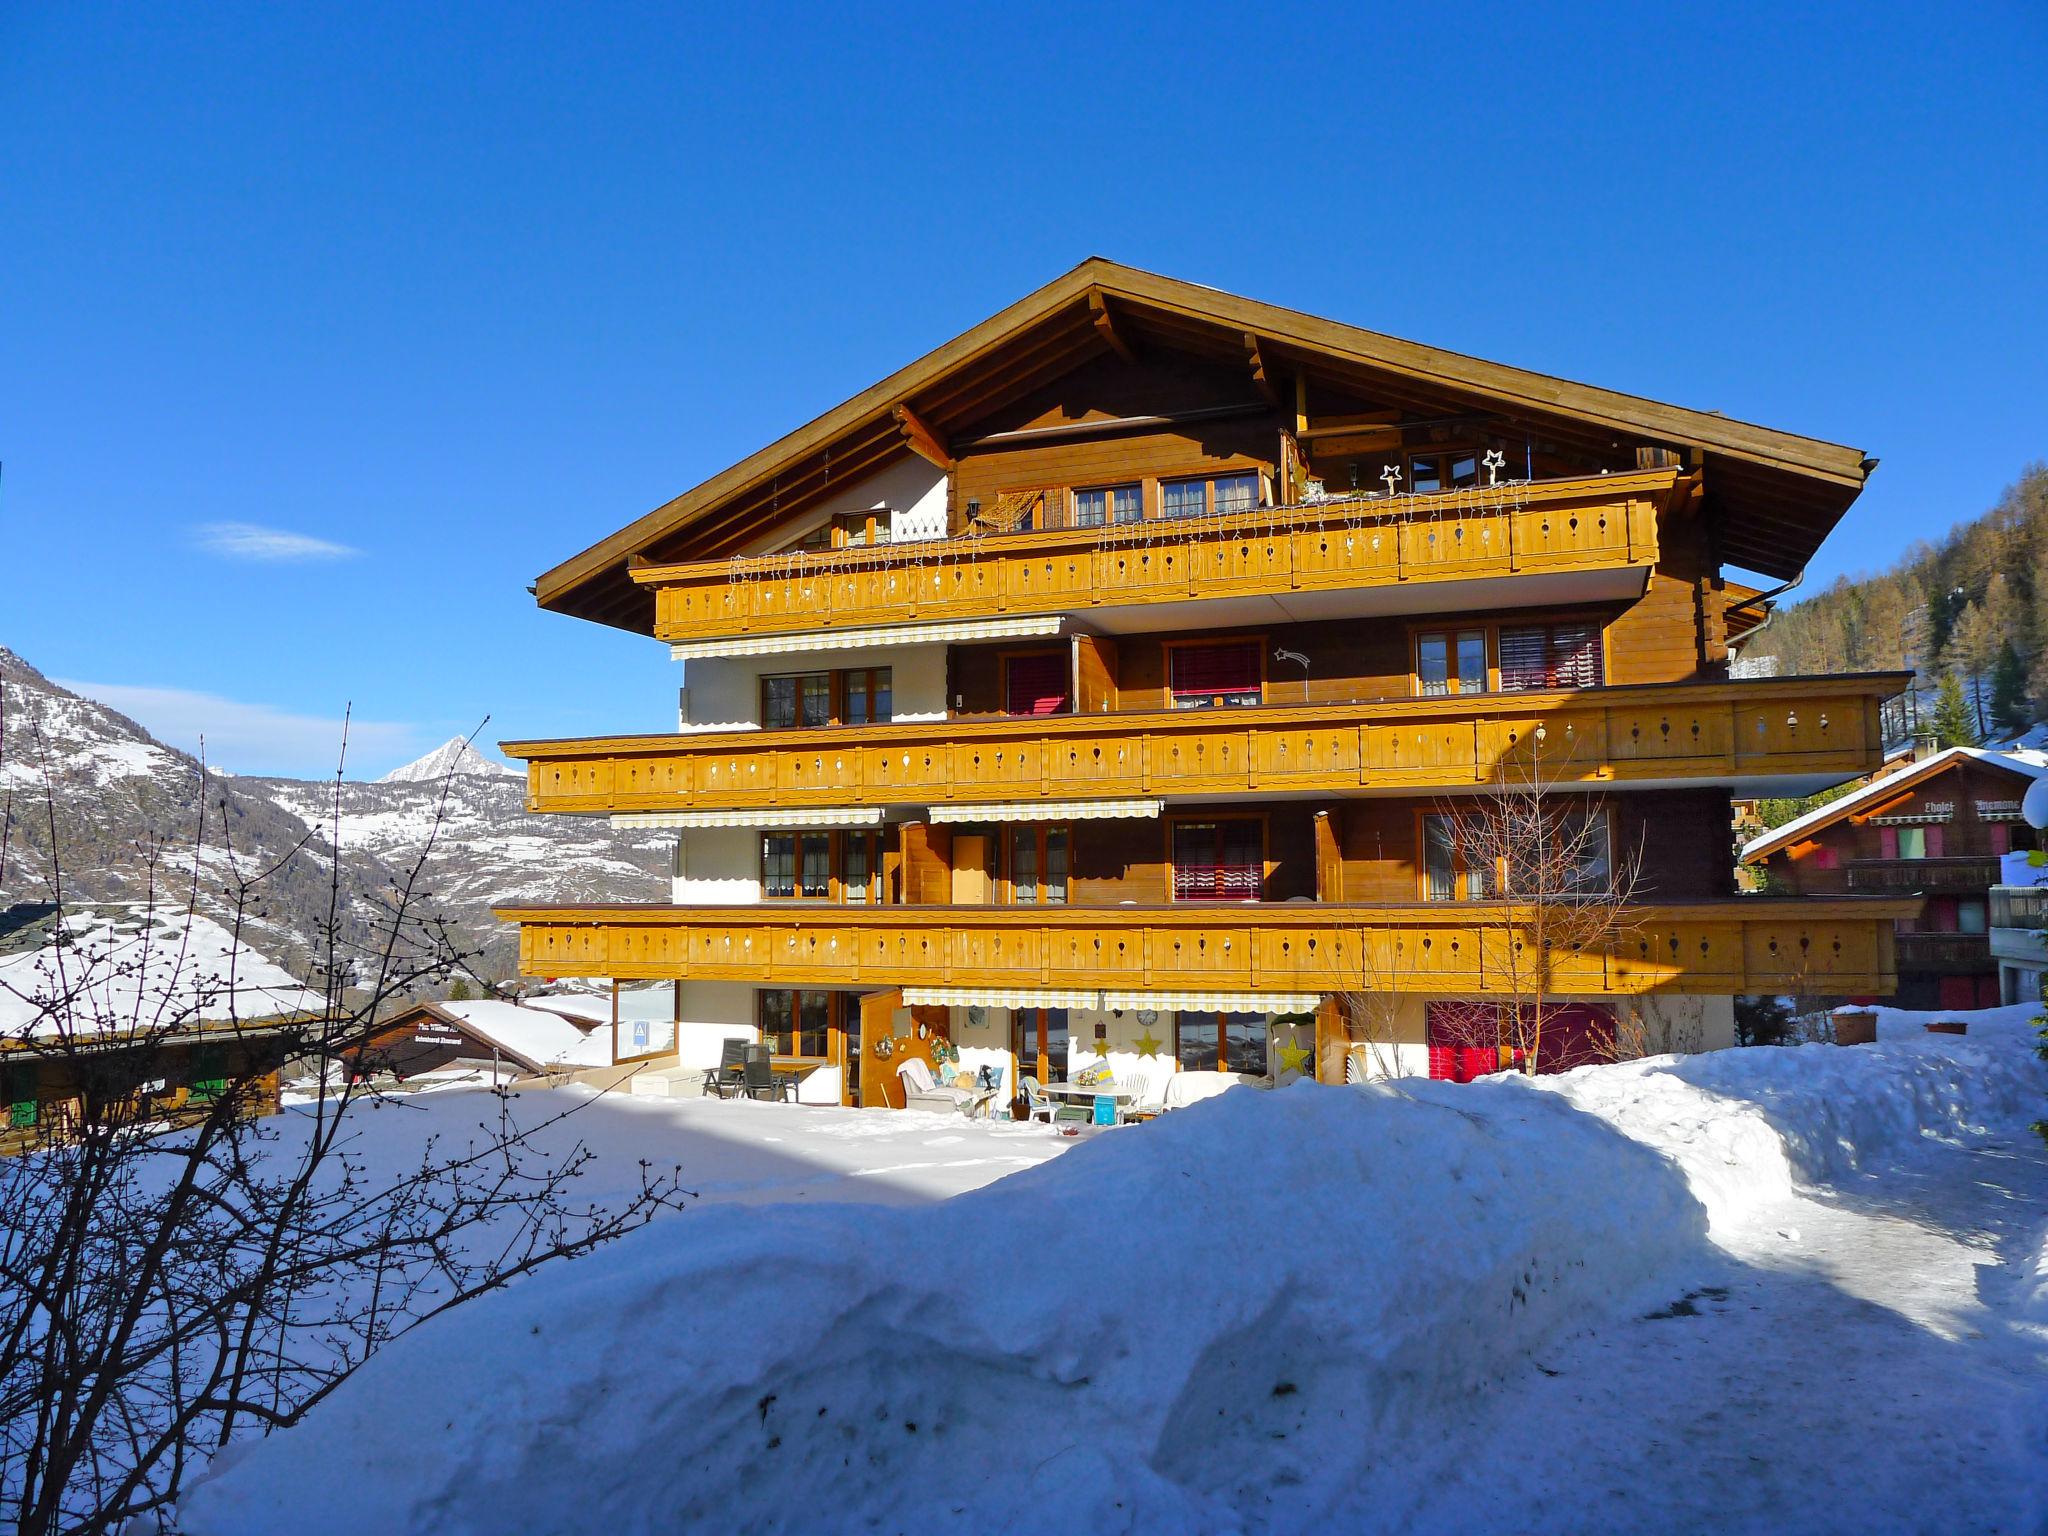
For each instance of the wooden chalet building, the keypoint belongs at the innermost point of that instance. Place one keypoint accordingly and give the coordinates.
(1122, 676)
(1937, 827)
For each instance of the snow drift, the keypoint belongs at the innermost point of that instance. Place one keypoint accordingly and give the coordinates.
(1228, 1318)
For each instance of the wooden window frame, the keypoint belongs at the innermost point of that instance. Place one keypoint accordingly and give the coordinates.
(1602, 623)
(1222, 1022)
(841, 693)
(834, 1020)
(1006, 878)
(836, 845)
(1173, 819)
(1146, 502)
(1604, 808)
(1488, 642)
(1211, 642)
(1022, 653)
(1445, 452)
(1262, 490)
(835, 695)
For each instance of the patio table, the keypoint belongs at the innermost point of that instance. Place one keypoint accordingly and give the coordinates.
(1116, 1093)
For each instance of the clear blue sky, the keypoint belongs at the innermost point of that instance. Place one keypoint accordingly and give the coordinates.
(462, 293)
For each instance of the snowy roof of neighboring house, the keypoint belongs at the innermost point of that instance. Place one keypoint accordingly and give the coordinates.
(2026, 763)
(533, 1035)
(583, 1006)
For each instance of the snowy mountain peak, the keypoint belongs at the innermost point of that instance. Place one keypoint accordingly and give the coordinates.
(455, 755)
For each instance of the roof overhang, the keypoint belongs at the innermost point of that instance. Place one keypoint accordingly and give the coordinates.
(1775, 494)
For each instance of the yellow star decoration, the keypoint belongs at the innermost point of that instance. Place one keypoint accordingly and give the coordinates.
(1147, 1046)
(1102, 1048)
(1294, 1058)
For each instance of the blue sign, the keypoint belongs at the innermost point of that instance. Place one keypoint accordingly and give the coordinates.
(1105, 1109)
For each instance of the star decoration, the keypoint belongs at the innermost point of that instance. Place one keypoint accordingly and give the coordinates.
(1147, 1046)
(1102, 1048)
(1294, 1058)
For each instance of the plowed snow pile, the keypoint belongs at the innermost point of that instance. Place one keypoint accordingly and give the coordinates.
(1232, 1318)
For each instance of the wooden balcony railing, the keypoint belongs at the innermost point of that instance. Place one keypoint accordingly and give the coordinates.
(1548, 527)
(1803, 946)
(1945, 874)
(1764, 727)
(1945, 951)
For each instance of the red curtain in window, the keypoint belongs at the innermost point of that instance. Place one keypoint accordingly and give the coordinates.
(1937, 838)
(1037, 685)
(1888, 842)
(1212, 670)
(2001, 838)
(1550, 656)
(1218, 861)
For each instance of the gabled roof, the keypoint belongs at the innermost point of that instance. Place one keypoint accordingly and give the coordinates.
(2027, 766)
(1777, 494)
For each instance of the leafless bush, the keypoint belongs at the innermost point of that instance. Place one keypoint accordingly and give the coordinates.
(177, 1270)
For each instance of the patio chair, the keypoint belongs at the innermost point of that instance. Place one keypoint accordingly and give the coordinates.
(923, 1091)
(1038, 1106)
(731, 1074)
(1148, 1095)
(762, 1081)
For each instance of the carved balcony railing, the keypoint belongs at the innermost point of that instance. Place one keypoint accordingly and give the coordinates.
(1961, 873)
(1694, 731)
(1945, 951)
(1803, 946)
(1553, 527)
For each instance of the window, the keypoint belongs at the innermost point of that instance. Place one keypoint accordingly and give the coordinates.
(799, 700)
(796, 865)
(1970, 915)
(1039, 1037)
(1912, 843)
(1036, 684)
(796, 699)
(1448, 471)
(1035, 865)
(1223, 495)
(861, 861)
(1223, 860)
(1206, 676)
(1221, 1042)
(794, 1023)
(1458, 859)
(1108, 504)
(869, 696)
(1550, 656)
(1450, 661)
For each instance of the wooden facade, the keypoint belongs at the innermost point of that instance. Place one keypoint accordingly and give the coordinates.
(1935, 828)
(1193, 612)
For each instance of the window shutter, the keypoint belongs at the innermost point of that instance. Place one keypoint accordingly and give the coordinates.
(1937, 838)
(1037, 685)
(1524, 659)
(1574, 656)
(1888, 842)
(1209, 670)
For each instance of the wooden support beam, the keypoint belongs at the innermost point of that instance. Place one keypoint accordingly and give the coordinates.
(1260, 380)
(924, 441)
(1106, 326)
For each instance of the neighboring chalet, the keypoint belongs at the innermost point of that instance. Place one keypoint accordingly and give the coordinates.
(1127, 677)
(1939, 826)
(498, 1040)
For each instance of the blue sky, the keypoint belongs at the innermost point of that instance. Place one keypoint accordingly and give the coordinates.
(323, 330)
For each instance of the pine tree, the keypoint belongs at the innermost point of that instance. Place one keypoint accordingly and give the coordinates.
(1951, 721)
(2009, 690)
(459, 993)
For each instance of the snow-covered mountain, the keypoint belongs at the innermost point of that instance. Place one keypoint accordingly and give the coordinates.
(128, 831)
(453, 756)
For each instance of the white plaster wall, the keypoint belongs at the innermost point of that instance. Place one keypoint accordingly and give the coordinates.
(913, 491)
(718, 866)
(723, 693)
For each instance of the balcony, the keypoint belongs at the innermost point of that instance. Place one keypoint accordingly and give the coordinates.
(1771, 734)
(1945, 874)
(1962, 952)
(1746, 944)
(1582, 539)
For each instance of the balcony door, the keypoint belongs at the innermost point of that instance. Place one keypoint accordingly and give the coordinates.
(1223, 859)
(1036, 683)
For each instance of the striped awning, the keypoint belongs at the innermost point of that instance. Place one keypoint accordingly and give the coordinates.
(1076, 997)
(1007, 628)
(1000, 997)
(1216, 1002)
(836, 816)
(1047, 810)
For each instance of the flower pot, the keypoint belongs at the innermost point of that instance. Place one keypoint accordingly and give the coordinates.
(1948, 1027)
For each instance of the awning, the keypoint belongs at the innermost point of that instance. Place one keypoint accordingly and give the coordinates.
(1008, 628)
(835, 816)
(999, 997)
(1215, 1002)
(1163, 1002)
(1047, 810)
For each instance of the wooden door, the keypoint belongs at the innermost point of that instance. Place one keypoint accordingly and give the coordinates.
(970, 870)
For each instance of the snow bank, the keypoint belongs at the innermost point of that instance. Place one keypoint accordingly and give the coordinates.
(1219, 1320)
(1166, 1322)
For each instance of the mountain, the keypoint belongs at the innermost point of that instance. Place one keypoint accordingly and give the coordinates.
(453, 756)
(1974, 605)
(126, 812)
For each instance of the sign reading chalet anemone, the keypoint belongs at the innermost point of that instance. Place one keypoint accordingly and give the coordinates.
(1137, 679)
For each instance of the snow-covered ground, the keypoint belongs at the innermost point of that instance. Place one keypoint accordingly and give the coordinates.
(1767, 1290)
